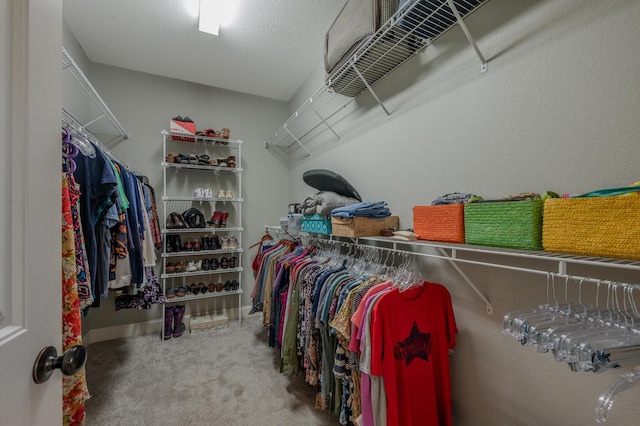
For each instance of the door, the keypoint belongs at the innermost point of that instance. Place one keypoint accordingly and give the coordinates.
(30, 217)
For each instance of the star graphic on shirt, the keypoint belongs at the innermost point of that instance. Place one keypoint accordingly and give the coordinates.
(416, 345)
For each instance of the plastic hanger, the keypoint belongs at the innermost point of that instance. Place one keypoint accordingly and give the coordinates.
(606, 400)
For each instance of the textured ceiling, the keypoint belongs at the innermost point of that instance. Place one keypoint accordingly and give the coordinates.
(268, 49)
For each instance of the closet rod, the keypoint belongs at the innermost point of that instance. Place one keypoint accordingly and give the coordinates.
(489, 306)
(75, 127)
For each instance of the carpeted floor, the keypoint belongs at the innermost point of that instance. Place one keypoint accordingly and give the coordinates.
(223, 377)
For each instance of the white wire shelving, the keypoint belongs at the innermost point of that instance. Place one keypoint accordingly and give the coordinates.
(83, 102)
(416, 25)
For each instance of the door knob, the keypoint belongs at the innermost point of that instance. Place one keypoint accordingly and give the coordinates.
(48, 360)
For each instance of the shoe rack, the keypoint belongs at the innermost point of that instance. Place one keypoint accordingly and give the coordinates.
(201, 259)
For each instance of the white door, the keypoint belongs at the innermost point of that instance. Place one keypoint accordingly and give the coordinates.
(30, 218)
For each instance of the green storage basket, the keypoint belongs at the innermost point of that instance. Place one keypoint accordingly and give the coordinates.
(509, 224)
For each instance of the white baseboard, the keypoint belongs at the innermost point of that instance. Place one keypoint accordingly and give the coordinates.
(146, 327)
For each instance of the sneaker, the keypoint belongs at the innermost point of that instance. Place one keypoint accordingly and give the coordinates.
(225, 242)
(232, 243)
(221, 194)
(191, 266)
(208, 193)
(198, 193)
(228, 195)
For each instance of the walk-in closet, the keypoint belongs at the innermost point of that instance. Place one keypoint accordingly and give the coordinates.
(346, 212)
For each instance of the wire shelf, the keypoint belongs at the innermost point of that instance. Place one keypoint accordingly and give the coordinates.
(416, 25)
(199, 139)
(198, 167)
(207, 230)
(206, 295)
(199, 273)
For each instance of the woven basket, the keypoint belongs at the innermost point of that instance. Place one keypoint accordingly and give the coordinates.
(509, 224)
(439, 223)
(596, 226)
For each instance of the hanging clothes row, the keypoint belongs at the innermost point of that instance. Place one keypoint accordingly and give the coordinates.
(116, 226)
(373, 339)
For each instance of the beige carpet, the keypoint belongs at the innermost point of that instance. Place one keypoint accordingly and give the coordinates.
(224, 377)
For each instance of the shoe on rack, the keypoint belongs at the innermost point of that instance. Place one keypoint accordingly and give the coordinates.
(221, 194)
(225, 133)
(233, 262)
(215, 263)
(225, 242)
(178, 325)
(223, 219)
(235, 285)
(215, 219)
(198, 193)
(228, 195)
(233, 243)
(197, 246)
(199, 265)
(208, 193)
(215, 242)
(191, 267)
(206, 264)
(188, 245)
(224, 263)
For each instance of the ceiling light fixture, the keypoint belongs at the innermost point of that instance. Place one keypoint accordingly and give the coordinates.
(211, 13)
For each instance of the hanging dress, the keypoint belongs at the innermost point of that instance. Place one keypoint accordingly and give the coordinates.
(74, 388)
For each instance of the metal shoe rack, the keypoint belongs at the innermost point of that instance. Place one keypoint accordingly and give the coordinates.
(184, 179)
(415, 25)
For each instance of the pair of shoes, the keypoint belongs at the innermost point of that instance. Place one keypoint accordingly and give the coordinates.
(203, 160)
(175, 268)
(171, 157)
(224, 195)
(218, 219)
(203, 193)
(231, 262)
(231, 161)
(173, 243)
(173, 325)
(193, 266)
(230, 243)
(210, 243)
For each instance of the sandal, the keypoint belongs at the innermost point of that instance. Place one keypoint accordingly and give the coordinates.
(203, 160)
(213, 163)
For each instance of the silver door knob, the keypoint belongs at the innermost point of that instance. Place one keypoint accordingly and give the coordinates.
(48, 360)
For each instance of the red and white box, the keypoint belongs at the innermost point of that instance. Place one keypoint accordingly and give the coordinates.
(177, 128)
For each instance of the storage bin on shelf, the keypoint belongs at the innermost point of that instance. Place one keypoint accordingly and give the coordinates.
(362, 226)
(316, 224)
(207, 322)
(508, 224)
(443, 222)
(595, 226)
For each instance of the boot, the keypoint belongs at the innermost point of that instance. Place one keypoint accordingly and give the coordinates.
(168, 319)
(178, 325)
(215, 242)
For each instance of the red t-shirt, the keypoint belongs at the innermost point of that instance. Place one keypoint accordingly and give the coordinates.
(411, 335)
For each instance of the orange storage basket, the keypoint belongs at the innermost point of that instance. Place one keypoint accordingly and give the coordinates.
(443, 222)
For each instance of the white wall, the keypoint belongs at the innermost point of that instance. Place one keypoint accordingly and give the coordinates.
(558, 109)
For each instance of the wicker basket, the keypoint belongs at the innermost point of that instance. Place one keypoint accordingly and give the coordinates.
(509, 224)
(439, 223)
(595, 226)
